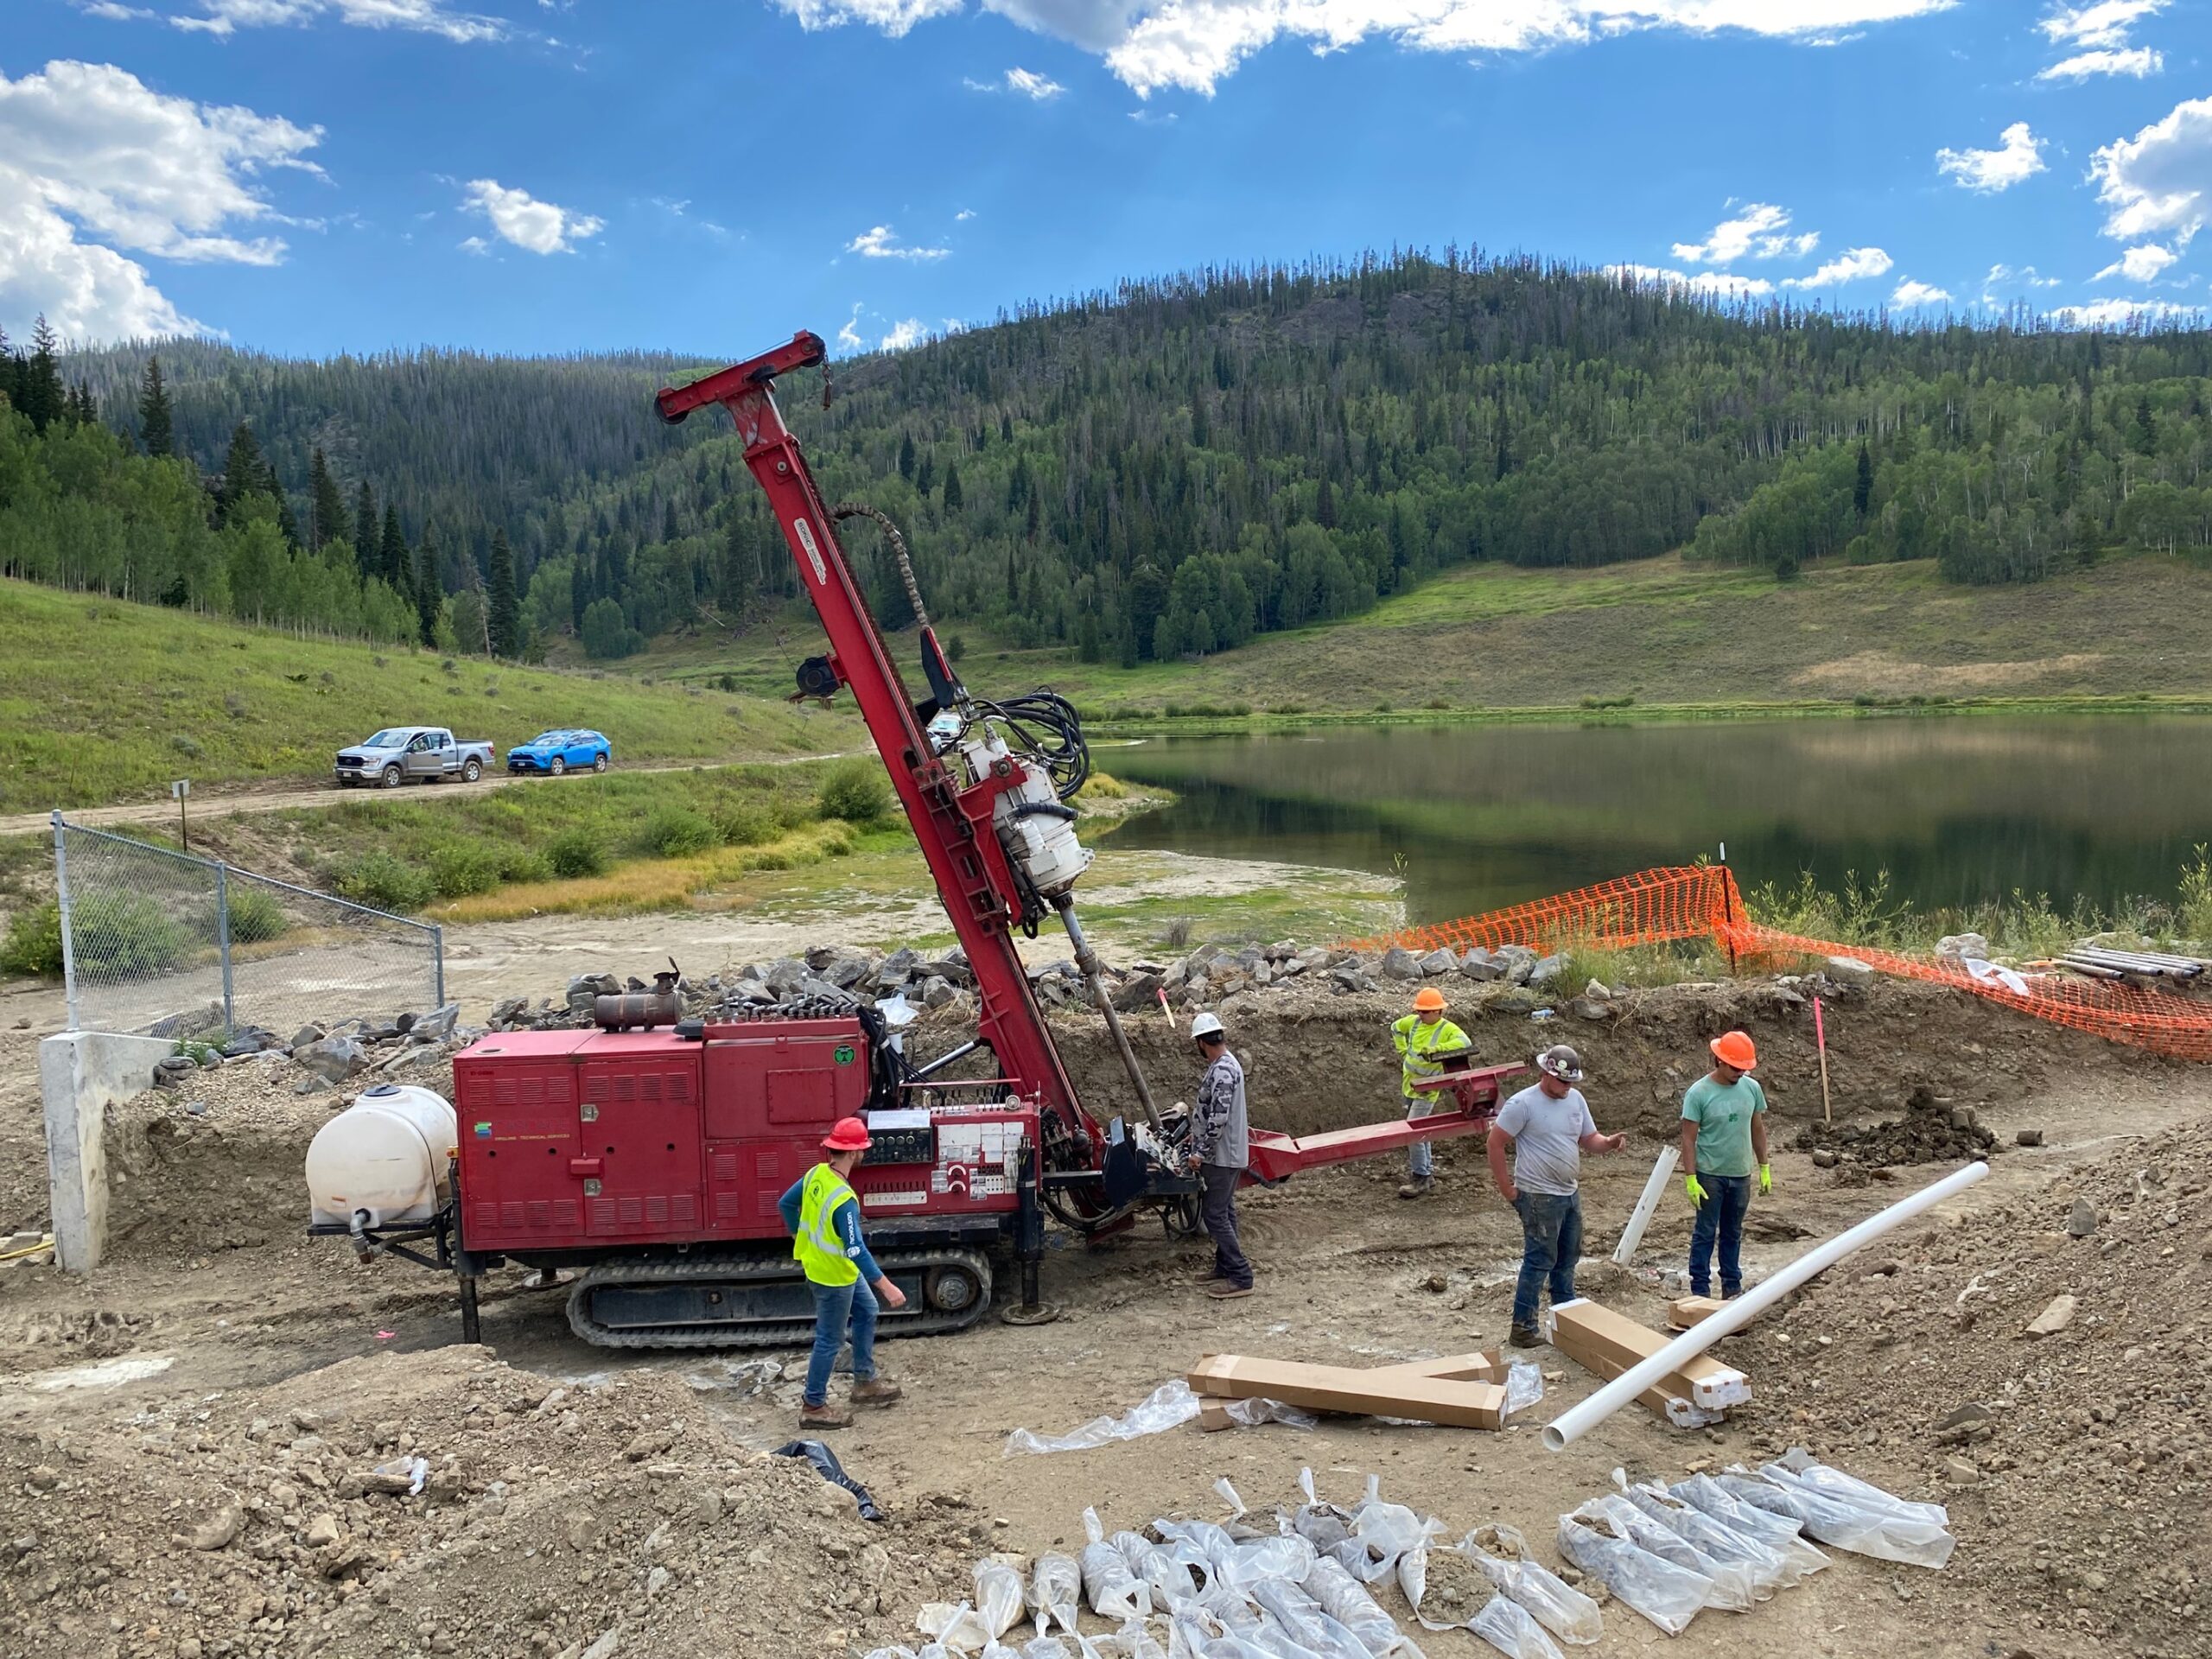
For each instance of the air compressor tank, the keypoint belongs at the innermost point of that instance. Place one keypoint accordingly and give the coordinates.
(384, 1160)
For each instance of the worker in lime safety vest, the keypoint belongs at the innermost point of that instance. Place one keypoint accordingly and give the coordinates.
(1424, 1039)
(824, 1214)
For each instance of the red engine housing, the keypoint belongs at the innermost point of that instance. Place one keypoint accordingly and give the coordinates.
(579, 1140)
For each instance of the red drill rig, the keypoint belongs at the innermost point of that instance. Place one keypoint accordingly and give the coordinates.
(652, 1160)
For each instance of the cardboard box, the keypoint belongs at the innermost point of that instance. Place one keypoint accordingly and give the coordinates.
(1582, 1327)
(1213, 1417)
(1453, 1368)
(1382, 1393)
(1609, 1365)
(1686, 1311)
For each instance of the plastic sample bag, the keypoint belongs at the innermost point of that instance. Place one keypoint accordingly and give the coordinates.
(1289, 1559)
(1045, 1647)
(1779, 1533)
(1136, 1641)
(1560, 1608)
(1513, 1630)
(1301, 1616)
(1381, 1533)
(1524, 1386)
(1807, 1471)
(1884, 1534)
(1000, 1600)
(894, 1651)
(1668, 1595)
(1322, 1525)
(1731, 1591)
(1346, 1599)
(960, 1628)
(1166, 1406)
(1768, 1569)
(1056, 1592)
(1175, 1573)
(1115, 1592)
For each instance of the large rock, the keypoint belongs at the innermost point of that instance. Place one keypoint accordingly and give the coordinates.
(784, 976)
(1400, 963)
(845, 972)
(1480, 964)
(1440, 961)
(1137, 993)
(1352, 977)
(936, 991)
(1848, 971)
(333, 1059)
(1547, 969)
(434, 1026)
(1962, 945)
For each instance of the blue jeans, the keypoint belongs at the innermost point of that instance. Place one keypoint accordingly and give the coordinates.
(1421, 1162)
(1721, 1217)
(1551, 1243)
(833, 1306)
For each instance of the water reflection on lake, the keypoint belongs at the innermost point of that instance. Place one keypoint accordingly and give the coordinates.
(1958, 810)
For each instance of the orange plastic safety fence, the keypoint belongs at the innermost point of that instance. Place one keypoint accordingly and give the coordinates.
(1702, 902)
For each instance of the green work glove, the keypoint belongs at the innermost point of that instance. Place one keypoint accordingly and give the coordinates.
(1766, 1178)
(1690, 1186)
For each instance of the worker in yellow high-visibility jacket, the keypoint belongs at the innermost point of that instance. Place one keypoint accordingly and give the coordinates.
(824, 1214)
(1424, 1039)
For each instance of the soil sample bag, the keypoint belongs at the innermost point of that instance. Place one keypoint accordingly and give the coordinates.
(1115, 1592)
(1780, 1533)
(1768, 1570)
(1322, 1525)
(1056, 1592)
(1346, 1599)
(1302, 1619)
(1668, 1595)
(1513, 1630)
(1501, 1554)
(999, 1597)
(1732, 1590)
(948, 1626)
(1381, 1533)
(1806, 1470)
(1289, 1559)
(1884, 1534)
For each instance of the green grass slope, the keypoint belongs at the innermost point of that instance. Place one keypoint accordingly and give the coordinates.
(1664, 632)
(101, 701)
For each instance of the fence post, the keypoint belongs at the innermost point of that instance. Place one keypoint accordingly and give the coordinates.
(438, 966)
(223, 942)
(61, 904)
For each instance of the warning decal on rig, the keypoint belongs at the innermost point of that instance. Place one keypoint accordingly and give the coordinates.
(804, 531)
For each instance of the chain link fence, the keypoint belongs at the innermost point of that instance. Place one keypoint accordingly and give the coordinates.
(159, 941)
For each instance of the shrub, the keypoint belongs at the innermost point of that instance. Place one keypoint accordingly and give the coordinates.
(256, 914)
(678, 832)
(185, 746)
(117, 934)
(575, 851)
(383, 882)
(520, 864)
(34, 942)
(2194, 910)
(856, 790)
(743, 823)
(458, 871)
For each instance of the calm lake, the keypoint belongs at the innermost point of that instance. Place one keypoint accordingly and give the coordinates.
(1958, 810)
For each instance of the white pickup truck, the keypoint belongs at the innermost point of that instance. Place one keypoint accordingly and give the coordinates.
(410, 755)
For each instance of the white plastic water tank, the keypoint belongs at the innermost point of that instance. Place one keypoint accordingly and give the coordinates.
(383, 1159)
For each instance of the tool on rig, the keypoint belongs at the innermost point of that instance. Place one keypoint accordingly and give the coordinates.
(650, 1161)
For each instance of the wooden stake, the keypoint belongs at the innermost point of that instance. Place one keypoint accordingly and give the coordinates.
(1821, 1039)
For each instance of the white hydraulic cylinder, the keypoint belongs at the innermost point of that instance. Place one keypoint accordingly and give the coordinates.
(1572, 1424)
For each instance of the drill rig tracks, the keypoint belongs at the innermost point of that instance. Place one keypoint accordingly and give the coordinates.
(726, 1279)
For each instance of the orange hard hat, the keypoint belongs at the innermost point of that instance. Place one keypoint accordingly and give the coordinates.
(1429, 1000)
(1735, 1049)
(850, 1135)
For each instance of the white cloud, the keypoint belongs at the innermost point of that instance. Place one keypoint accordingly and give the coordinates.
(2002, 275)
(964, 215)
(1910, 294)
(881, 242)
(2103, 24)
(1854, 265)
(2159, 182)
(534, 225)
(1758, 231)
(476, 245)
(1194, 44)
(2140, 264)
(2018, 158)
(1033, 86)
(1720, 284)
(903, 334)
(2118, 314)
(2139, 62)
(849, 337)
(221, 17)
(94, 161)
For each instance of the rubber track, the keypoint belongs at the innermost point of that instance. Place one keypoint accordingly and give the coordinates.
(778, 1333)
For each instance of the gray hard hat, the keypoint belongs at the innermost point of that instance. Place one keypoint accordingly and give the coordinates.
(1561, 1062)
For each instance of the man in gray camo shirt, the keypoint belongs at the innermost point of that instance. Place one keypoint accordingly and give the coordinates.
(1220, 1148)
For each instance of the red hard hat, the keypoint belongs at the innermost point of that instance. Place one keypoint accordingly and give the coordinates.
(1734, 1048)
(849, 1135)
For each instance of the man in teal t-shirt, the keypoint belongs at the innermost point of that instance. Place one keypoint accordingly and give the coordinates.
(1724, 1145)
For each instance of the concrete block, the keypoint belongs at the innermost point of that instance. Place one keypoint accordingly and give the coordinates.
(81, 1074)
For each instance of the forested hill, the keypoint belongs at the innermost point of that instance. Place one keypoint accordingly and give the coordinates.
(1172, 468)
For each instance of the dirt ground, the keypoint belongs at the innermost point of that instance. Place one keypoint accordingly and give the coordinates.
(577, 1500)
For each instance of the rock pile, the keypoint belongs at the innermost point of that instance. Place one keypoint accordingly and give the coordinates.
(330, 1054)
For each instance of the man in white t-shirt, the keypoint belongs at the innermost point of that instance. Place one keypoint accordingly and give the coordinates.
(1549, 1128)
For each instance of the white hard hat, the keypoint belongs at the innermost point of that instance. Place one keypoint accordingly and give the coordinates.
(1206, 1025)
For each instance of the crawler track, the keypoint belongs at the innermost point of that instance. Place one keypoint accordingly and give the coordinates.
(746, 1271)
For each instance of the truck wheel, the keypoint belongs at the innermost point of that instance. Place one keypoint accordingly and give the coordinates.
(392, 778)
(471, 772)
(599, 762)
(557, 766)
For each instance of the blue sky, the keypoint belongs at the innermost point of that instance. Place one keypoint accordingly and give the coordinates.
(308, 176)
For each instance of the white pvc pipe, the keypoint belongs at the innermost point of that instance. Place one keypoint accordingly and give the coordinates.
(1573, 1424)
(1661, 1173)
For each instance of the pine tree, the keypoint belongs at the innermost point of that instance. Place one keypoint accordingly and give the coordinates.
(925, 473)
(156, 427)
(430, 591)
(952, 496)
(391, 562)
(1862, 488)
(366, 539)
(1036, 519)
(326, 507)
(2144, 440)
(1324, 506)
(579, 583)
(669, 531)
(907, 456)
(11, 374)
(243, 472)
(84, 409)
(44, 398)
(503, 613)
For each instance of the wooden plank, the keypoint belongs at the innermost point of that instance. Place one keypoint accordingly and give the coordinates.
(1701, 1379)
(1353, 1392)
(1686, 1311)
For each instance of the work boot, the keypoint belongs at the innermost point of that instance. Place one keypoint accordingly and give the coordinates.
(1418, 1187)
(876, 1391)
(1226, 1290)
(1526, 1336)
(824, 1416)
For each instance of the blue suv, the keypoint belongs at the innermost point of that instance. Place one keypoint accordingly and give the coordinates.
(555, 752)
